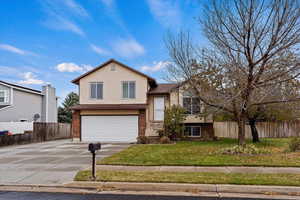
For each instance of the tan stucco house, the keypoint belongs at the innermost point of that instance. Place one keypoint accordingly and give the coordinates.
(118, 103)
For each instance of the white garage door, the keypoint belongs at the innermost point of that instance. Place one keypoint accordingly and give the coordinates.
(109, 128)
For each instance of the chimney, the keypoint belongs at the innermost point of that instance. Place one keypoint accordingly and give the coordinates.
(49, 109)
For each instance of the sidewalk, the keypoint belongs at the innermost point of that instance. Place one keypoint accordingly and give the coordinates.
(257, 170)
(217, 189)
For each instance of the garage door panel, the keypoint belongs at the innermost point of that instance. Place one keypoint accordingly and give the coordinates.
(109, 128)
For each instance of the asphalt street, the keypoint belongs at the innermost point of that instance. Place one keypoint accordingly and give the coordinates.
(4, 195)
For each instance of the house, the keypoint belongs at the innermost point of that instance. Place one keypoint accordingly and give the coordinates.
(118, 103)
(18, 103)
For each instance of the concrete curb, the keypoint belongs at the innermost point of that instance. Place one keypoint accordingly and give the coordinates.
(192, 188)
(169, 190)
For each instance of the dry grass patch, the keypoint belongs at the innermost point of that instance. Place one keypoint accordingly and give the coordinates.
(206, 154)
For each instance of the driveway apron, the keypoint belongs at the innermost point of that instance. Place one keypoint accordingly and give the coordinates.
(48, 163)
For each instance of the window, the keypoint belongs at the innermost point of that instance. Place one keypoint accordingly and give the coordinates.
(96, 90)
(128, 89)
(191, 105)
(192, 131)
(113, 67)
(159, 108)
(3, 96)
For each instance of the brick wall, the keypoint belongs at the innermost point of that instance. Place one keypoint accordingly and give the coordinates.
(76, 124)
(142, 122)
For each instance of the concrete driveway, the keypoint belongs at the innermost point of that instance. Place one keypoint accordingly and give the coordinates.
(54, 162)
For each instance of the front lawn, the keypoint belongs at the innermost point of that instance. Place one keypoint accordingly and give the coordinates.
(205, 154)
(193, 177)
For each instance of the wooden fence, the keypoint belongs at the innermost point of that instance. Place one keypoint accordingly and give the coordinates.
(41, 132)
(265, 129)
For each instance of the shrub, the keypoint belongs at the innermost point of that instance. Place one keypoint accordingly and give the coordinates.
(173, 122)
(164, 140)
(238, 149)
(160, 132)
(143, 140)
(294, 144)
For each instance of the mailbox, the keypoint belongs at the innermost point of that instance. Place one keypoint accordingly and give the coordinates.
(93, 147)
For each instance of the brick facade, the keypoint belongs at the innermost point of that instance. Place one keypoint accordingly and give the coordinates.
(142, 122)
(76, 124)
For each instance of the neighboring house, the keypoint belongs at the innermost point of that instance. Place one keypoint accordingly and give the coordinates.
(119, 103)
(18, 103)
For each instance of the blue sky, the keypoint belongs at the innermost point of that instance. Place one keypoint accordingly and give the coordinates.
(54, 41)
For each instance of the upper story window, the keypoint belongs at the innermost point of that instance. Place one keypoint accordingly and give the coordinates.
(3, 96)
(128, 89)
(96, 90)
(191, 103)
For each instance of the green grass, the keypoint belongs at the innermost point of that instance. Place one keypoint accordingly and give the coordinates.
(193, 177)
(205, 154)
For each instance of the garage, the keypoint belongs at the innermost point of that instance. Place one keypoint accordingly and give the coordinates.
(109, 128)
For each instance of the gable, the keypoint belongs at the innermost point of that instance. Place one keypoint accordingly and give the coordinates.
(4, 87)
(112, 85)
(112, 71)
(121, 65)
(21, 88)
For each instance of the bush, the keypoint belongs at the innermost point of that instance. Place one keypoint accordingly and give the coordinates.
(164, 140)
(294, 144)
(143, 140)
(173, 122)
(238, 149)
(160, 132)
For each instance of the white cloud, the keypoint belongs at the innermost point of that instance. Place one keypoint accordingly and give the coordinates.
(128, 48)
(112, 11)
(108, 3)
(99, 50)
(72, 67)
(76, 8)
(12, 49)
(30, 79)
(156, 66)
(86, 68)
(59, 15)
(58, 22)
(167, 12)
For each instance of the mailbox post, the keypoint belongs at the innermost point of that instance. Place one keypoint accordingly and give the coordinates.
(93, 147)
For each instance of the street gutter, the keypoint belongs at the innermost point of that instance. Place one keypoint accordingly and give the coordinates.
(167, 189)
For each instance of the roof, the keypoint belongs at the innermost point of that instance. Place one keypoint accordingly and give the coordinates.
(163, 88)
(109, 107)
(76, 80)
(20, 87)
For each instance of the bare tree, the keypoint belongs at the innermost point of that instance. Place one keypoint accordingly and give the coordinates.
(252, 56)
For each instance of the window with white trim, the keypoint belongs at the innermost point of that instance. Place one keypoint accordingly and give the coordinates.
(192, 131)
(128, 89)
(159, 108)
(191, 105)
(96, 90)
(4, 96)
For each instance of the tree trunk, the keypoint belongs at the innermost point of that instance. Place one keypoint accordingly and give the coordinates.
(254, 132)
(241, 131)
